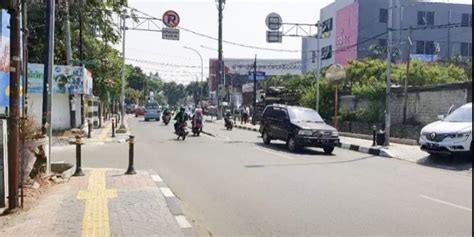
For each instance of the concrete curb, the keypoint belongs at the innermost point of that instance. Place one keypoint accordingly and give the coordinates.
(173, 205)
(368, 150)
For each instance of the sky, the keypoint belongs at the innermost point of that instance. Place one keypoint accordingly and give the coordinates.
(243, 23)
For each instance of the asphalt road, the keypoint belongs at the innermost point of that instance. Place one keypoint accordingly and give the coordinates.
(233, 185)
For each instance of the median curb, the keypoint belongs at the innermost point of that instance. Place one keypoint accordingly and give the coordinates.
(368, 150)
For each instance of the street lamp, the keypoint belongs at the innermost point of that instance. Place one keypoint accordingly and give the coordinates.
(202, 64)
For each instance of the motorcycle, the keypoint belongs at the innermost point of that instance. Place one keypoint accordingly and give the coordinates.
(166, 119)
(229, 124)
(182, 131)
(196, 127)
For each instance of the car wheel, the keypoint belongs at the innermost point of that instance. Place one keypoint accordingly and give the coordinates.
(291, 144)
(266, 138)
(328, 150)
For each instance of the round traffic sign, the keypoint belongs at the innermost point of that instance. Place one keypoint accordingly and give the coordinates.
(336, 74)
(273, 21)
(170, 19)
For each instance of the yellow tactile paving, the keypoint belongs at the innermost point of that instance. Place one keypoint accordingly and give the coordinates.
(103, 134)
(96, 215)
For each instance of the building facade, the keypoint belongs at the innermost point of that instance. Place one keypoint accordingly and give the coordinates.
(352, 29)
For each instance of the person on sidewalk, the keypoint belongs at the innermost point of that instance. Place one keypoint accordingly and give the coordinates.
(246, 114)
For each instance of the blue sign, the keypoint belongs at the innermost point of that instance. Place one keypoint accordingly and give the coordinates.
(260, 76)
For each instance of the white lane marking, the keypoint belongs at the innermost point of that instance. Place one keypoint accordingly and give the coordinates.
(156, 178)
(446, 203)
(182, 222)
(226, 138)
(167, 192)
(274, 153)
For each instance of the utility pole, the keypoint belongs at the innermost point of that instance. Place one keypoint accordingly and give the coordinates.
(318, 63)
(254, 102)
(220, 70)
(449, 34)
(81, 52)
(67, 26)
(48, 66)
(405, 88)
(14, 116)
(389, 76)
(122, 92)
(25, 56)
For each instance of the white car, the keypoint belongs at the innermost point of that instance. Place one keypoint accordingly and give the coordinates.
(451, 135)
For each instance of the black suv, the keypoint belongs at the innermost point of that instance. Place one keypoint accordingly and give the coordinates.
(298, 127)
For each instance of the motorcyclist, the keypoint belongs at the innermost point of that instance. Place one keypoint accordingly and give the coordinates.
(197, 117)
(181, 117)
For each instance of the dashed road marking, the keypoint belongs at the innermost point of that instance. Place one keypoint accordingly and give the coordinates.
(182, 221)
(274, 153)
(156, 178)
(167, 192)
(446, 203)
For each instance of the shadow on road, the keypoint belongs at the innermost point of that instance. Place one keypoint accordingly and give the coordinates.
(310, 163)
(458, 163)
(303, 151)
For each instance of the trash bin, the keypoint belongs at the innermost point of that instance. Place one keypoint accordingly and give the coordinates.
(380, 137)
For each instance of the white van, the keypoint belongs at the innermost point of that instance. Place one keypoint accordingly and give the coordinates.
(451, 135)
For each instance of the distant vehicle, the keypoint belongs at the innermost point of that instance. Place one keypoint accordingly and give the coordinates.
(129, 108)
(152, 111)
(451, 135)
(139, 111)
(298, 127)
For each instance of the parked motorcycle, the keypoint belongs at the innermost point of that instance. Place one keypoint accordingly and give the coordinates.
(182, 131)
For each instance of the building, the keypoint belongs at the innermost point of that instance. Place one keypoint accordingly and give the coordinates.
(351, 29)
(237, 79)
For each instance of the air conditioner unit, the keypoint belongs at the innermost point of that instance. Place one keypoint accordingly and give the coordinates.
(9, 4)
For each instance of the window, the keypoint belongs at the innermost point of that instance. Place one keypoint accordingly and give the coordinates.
(429, 47)
(268, 112)
(420, 47)
(383, 15)
(326, 52)
(466, 49)
(425, 47)
(326, 26)
(382, 42)
(466, 20)
(279, 114)
(425, 18)
(313, 56)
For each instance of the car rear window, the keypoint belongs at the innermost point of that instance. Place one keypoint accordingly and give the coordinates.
(152, 106)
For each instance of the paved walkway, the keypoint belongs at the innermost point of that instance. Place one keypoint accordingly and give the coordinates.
(104, 202)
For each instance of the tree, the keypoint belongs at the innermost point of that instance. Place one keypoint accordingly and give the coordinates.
(174, 93)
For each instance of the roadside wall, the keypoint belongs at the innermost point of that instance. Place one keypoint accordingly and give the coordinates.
(423, 107)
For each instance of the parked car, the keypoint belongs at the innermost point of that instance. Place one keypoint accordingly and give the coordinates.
(451, 135)
(139, 111)
(298, 127)
(152, 111)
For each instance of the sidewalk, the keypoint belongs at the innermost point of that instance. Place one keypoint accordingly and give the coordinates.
(400, 151)
(104, 202)
(98, 135)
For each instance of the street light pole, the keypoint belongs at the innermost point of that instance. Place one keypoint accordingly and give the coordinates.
(389, 76)
(318, 62)
(202, 67)
(122, 92)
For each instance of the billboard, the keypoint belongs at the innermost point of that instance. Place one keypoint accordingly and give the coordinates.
(270, 67)
(66, 79)
(4, 59)
(347, 24)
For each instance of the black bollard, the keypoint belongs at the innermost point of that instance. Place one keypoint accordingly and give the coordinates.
(131, 142)
(374, 135)
(113, 128)
(89, 128)
(78, 171)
